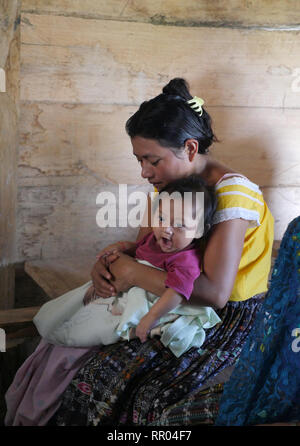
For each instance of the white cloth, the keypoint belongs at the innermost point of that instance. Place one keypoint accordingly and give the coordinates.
(66, 321)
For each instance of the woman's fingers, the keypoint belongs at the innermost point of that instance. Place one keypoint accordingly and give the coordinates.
(100, 277)
(112, 258)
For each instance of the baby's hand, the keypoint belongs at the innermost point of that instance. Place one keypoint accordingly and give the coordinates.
(146, 323)
(112, 249)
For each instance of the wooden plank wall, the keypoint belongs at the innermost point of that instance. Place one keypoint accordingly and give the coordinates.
(9, 112)
(87, 65)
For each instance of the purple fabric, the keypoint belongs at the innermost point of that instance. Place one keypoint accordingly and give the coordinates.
(35, 394)
(183, 267)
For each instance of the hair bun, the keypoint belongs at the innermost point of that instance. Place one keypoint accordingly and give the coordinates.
(178, 87)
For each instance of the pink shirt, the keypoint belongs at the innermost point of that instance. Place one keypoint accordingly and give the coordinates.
(183, 267)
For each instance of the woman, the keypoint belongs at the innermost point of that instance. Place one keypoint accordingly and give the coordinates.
(142, 383)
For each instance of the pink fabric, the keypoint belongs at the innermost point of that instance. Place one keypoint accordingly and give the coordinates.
(35, 394)
(183, 267)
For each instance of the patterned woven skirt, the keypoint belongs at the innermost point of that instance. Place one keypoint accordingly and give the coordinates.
(134, 383)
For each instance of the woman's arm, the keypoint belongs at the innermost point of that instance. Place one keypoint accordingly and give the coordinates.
(127, 272)
(221, 261)
(222, 257)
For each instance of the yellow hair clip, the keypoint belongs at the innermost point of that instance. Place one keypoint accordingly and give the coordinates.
(196, 104)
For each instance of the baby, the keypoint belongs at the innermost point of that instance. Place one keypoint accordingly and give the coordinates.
(182, 215)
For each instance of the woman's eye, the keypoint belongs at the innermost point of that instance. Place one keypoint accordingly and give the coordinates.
(178, 225)
(155, 163)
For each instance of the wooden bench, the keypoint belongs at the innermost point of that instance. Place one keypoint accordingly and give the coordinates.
(55, 277)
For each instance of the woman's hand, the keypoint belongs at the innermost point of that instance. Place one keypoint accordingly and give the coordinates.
(101, 277)
(121, 267)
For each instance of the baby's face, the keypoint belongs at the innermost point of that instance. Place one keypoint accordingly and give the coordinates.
(174, 226)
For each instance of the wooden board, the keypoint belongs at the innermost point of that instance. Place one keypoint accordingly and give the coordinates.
(59, 276)
(112, 62)
(284, 203)
(60, 221)
(68, 154)
(9, 126)
(9, 12)
(78, 89)
(17, 316)
(217, 12)
(89, 140)
(68, 227)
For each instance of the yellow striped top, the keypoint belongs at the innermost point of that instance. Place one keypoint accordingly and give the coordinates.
(238, 197)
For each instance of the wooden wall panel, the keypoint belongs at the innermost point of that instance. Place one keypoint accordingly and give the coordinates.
(105, 62)
(262, 143)
(82, 8)
(60, 221)
(284, 203)
(188, 12)
(9, 113)
(90, 140)
(76, 140)
(87, 65)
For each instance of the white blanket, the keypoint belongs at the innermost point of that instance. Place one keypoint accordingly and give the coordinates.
(66, 321)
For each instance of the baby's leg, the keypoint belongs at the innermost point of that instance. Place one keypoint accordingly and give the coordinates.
(92, 325)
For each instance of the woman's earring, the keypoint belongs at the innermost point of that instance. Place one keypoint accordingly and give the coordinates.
(207, 227)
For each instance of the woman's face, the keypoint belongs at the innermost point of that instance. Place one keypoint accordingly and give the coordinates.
(159, 164)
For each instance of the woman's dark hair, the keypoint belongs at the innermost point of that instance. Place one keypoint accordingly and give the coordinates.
(170, 120)
(194, 183)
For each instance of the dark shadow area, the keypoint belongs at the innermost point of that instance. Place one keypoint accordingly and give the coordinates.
(27, 294)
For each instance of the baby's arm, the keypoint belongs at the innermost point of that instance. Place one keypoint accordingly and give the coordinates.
(167, 302)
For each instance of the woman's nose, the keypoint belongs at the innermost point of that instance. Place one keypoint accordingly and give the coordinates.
(169, 230)
(146, 172)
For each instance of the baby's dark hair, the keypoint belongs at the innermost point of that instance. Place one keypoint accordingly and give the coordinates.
(194, 183)
(170, 120)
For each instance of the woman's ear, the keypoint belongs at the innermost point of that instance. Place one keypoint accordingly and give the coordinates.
(191, 148)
